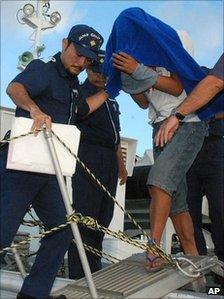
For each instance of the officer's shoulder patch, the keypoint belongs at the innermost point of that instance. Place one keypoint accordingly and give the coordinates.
(49, 59)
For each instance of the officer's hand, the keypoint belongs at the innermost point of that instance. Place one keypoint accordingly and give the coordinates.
(40, 120)
(166, 131)
(124, 62)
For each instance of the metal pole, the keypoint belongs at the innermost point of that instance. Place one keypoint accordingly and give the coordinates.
(69, 188)
(69, 210)
(19, 262)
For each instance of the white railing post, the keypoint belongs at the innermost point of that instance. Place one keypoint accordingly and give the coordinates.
(69, 210)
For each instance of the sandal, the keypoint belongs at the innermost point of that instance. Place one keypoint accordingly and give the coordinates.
(152, 260)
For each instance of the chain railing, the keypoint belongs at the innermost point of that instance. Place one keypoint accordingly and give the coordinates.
(93, 224)
(151, 244)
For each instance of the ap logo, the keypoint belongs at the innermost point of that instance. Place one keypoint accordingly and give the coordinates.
(213, 291)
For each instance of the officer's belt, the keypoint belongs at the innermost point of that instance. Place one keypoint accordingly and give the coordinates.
(87, 140)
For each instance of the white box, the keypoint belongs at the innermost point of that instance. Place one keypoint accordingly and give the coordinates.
(31, 153)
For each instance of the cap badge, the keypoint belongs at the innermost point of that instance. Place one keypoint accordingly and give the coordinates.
(92, 43)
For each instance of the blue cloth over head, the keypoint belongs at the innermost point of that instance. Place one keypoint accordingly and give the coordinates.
(153, 43)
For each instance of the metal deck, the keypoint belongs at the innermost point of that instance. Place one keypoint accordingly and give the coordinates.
(129, 279)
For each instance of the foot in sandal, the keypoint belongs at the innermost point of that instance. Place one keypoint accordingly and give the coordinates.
(154, 263)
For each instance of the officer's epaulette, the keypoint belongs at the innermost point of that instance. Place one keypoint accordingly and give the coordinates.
(48, 59)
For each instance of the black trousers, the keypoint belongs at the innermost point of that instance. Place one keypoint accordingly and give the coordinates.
(20, 189)
(206, 177)
(90, 200)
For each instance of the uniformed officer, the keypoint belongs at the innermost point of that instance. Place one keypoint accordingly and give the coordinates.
(101, 152)
(46, 92)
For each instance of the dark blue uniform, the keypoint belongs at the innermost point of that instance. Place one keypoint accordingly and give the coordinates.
(53, 89)
(98, 146)
(55, 92)
(206, 177)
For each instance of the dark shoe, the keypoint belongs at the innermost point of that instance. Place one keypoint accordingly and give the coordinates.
(24, 296)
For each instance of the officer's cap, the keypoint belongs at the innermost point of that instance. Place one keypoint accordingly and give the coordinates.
(87, 41)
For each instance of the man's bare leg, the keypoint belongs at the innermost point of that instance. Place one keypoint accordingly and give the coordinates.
(184, 228)
(159, 212)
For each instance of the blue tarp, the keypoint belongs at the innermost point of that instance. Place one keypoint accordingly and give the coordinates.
(152, 42)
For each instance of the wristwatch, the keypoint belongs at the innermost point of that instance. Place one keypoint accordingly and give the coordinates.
(177, 114)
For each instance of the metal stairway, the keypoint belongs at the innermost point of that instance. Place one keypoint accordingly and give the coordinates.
(129, 279)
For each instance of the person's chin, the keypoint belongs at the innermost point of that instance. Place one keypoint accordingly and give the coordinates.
(74, 71)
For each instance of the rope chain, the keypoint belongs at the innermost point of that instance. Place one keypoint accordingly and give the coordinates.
(106, 256)
(94, 225)
(100, 253)
(7, 140)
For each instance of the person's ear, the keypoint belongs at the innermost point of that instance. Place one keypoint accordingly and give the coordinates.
(65, 43)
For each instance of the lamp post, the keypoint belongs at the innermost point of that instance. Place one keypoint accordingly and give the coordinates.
(39, 19)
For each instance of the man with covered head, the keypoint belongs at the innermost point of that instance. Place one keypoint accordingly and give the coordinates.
(141, 44)
(46, 92)
(101, 152)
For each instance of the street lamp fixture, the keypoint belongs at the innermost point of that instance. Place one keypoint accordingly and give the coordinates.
(55, 17)
(39, 19)
(25, 59)
(28, 9)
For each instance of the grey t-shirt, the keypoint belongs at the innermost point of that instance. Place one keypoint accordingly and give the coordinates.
(218, 69)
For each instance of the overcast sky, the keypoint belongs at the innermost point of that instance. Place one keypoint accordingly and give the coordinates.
(203, 20)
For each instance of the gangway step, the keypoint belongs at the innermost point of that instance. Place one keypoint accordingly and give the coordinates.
(129, 279)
